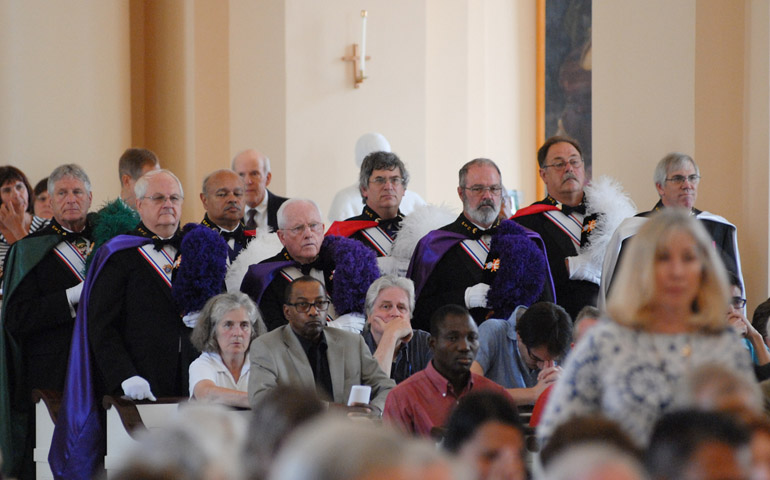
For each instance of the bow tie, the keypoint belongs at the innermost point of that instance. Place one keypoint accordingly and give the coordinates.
(567, 210)
(305, 268)
(391, 225)
(236, 235)
(175, 241)
(480, 233)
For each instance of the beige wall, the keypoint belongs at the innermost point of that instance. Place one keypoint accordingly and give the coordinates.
(689, 76)
(64, 88)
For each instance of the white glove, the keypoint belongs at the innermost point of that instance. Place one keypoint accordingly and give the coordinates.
(137, 388)
(352, 322)
(581, 268)
(191, 318)
(73, 297)
(476, 296)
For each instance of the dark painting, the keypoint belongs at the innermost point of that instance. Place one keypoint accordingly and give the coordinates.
(568, 72)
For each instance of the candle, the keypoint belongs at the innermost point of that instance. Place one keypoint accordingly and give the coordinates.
(363, 43)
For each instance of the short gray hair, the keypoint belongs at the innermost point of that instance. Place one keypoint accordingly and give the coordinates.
(388, 281)
(281, 213)
(381, 161)
(477, 162)
(672, 161)
(141, 185)
(68, 170)
(204, 335)
(265, 163)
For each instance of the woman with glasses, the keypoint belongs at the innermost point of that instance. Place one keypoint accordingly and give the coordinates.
(224, 331)
(736, 318)
(667, 315)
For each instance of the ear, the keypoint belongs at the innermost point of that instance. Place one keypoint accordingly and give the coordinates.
(125, 180)
(280, 237)
(204, 201)
(659, 188)
(286, 311)
(541, 173)
(460, 192)
(432, 343)
(268, 178)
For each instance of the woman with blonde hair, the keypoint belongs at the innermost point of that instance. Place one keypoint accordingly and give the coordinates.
(666, 317)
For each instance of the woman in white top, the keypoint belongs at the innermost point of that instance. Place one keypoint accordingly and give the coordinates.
(667, 318)
(224, 331)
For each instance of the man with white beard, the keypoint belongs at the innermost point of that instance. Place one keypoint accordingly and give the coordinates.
(462, 262)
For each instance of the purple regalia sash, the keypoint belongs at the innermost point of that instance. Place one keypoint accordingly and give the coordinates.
(78, 446)
(259, 276)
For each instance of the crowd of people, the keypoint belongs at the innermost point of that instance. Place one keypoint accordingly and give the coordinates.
(571, 339)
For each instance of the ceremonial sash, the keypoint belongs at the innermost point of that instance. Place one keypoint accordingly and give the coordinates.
(380, 239)
(477, 250)
(160, 261)
(71, 257)
(571, 225)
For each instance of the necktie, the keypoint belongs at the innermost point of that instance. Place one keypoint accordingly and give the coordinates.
(251, 222)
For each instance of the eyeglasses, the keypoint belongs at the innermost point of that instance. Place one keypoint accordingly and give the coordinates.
(738, 302)
(304, 307)
(162, 199)
(562, 165)
(478, 190)
(679, 179)
(381, 181)
(299, 229)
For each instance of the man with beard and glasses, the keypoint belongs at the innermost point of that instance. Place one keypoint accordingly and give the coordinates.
(488, 265)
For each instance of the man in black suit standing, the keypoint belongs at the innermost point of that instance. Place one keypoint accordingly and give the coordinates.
(261, 204)
(140, 344)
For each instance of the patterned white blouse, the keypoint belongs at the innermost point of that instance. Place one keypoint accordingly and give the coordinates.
(631, 376)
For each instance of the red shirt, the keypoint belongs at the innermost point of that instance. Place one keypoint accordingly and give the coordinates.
(426, 399)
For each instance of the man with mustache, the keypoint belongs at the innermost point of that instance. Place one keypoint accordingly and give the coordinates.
(459, 262)
(676, 177)
(425, 399)
(561, 220)
(223, 198)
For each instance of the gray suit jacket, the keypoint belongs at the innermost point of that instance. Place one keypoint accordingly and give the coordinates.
(277, 358)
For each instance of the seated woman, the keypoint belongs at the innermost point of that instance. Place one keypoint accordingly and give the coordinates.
(16, 218)
(224, 331)
(668, 310)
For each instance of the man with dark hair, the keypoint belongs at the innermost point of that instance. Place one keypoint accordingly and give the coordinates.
(43, 283)
(222, 195)
(690, 445)
(485, 431)
(309, 354)
(676, 178)
(520, 353)
(382, 182)
(759, 319)
(261, 204)
(488, 265)
(425, 399)
(134, 163)
(566, 219)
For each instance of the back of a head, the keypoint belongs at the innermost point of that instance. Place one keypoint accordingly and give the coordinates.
(590, 429)
(718, 388)
(595, 461)
(134, 160)
(678, 436)
(336, 448)
(368, 143)
(474, 410)
(546, 323)
(760, 317)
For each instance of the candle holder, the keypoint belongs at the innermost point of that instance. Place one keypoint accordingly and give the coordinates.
(358, 73)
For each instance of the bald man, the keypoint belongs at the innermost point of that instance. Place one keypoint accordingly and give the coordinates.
(261, 205)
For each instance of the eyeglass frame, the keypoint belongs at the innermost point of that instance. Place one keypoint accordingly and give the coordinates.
(734, 300)
(382, 181)
(300, 229)
(298, 306)
(679, 180)
(563, 165)
(478, 190)
(162, 199)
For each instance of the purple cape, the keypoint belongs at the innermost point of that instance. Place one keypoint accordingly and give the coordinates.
(78, 445)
